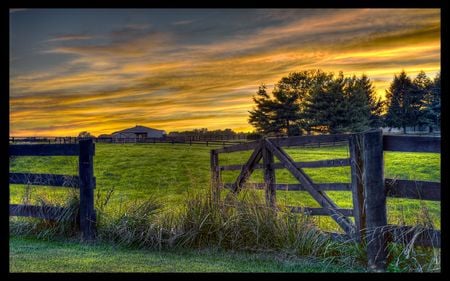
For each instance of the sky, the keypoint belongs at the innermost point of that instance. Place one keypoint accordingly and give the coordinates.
(103, 70)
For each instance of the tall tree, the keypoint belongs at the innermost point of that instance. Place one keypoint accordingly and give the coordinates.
(375, 104)
(262, 116)
(400, 113)
(422, 87)
(432, 104)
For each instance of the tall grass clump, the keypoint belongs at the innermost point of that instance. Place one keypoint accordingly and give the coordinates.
(64, 225)
(406, 255)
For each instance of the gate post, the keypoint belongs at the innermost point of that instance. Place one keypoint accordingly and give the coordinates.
(356, 165)
(369, 196)
(269, 176)
(215, 176)
(86, 174)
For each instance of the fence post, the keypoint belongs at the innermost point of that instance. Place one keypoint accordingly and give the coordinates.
(269, 176)
(374, 200)
(356, 165)
(215, 176)
(86, 173)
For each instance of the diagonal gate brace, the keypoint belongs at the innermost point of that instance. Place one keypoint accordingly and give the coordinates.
(318, 195)
(248, 168)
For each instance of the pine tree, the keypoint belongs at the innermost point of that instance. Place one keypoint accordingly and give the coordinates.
(400, 113)
(376, 105)
(432, 104)
(262, 116)
(422, 86)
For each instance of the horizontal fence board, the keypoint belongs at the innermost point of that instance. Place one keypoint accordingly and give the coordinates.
(298, 187)
(44, 179)
(42, 212)
(304, 140)
(419, 236)
(319, 211)
(424, 190)
(411, 143)
(44, 150)
(310, 164)
(238, 147)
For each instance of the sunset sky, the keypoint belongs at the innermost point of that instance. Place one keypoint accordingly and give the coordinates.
(103, 70)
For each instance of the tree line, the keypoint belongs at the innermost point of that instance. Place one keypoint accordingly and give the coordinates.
(314, 101)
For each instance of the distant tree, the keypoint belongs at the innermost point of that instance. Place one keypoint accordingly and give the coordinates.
(85, 135)
(262, 117)
(432, 104)
(421, 91)
(375, 104)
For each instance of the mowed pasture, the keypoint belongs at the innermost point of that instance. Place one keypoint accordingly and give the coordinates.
(172, 172)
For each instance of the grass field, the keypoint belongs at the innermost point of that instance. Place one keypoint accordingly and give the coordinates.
(173, 172)
(169, 172)
(32, 255)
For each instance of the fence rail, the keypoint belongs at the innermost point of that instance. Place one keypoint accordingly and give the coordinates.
(368, 186)
(84, 181)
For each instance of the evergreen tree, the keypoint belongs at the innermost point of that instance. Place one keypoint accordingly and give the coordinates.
(400, 113)
(376, 105)
(262, 116)
(422, 86)
(432, 104)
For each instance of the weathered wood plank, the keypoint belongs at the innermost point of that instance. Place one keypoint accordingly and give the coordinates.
(417, 235)
(269, 176)
(304, 140)
(374, 199)
(319, 196)
(239, 147)
(248, 168)
(319, 211)
(86, 174)
(411, 143)
(424, 190)
(310, 164)
(44, 150)
(357, 186)
(215, 176)
(298, 187)
(44, 179)
(42, 212)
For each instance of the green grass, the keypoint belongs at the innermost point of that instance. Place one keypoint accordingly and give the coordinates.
(170, 172)
(173, 172)
(32, 255)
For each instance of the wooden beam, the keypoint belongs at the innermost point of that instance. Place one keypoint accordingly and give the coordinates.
(309, 164)
(86, 174)
(44, 150)
(239, 147)
(44, 179)
(298, 187)
(374, 199)
(319, 196)
(304, 140)
(319, 211)
(411, 143)
(269, 176)
(42, 212)
(248, 168)
(424, 190)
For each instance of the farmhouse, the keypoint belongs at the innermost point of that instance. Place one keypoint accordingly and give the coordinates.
(138, 132)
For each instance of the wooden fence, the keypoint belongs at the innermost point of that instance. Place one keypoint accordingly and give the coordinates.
(171, 140)
(85, 181)
(368, 186)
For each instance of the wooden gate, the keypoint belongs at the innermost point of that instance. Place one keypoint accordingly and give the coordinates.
(368, 186)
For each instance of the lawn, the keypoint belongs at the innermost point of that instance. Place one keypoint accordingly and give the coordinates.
(170, 172)
(32, 255)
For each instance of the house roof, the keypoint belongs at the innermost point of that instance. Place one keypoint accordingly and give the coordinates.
(139, 129)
